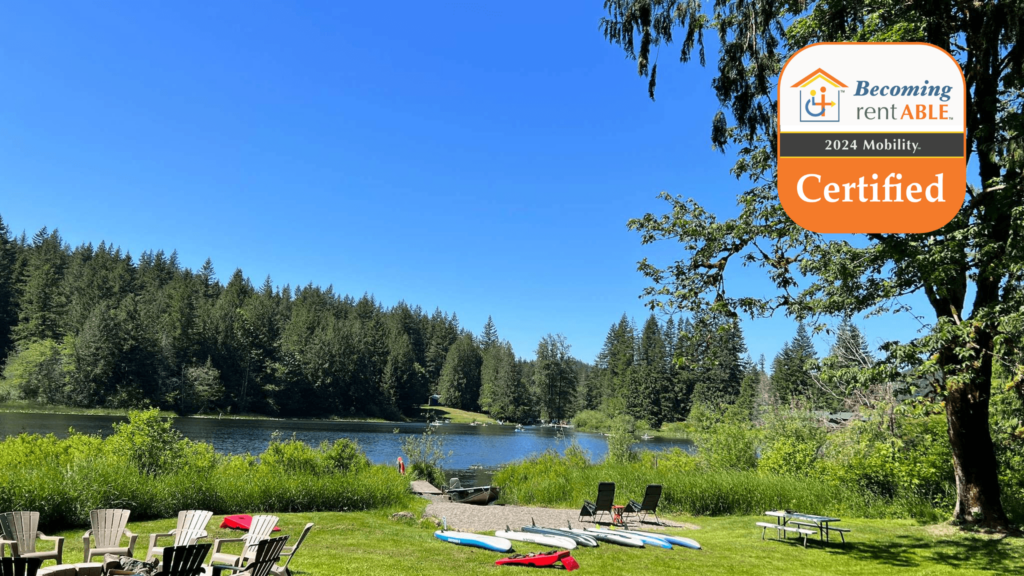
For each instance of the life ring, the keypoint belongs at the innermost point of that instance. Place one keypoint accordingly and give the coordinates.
(401, 466)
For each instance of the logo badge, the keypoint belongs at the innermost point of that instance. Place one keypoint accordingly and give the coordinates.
(816, 106)
(872, 137)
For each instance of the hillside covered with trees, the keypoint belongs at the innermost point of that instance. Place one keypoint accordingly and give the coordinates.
(92, 326)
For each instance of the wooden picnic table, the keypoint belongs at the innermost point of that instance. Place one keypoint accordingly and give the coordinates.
(784, 517)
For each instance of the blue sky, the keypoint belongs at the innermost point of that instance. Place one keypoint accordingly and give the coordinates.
(480, 157)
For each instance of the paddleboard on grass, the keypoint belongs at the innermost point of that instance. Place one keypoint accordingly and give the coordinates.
(677, 540)
(648, 540)
(580, 539)
(612, 537)
(474, 540)
(542, 539)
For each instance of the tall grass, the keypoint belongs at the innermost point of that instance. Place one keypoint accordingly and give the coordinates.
(64, 479)
(565, 481)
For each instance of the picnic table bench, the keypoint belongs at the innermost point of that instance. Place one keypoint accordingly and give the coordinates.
(788, 521)
(782, 529)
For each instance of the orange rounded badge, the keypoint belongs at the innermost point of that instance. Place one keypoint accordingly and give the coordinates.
(872, 137)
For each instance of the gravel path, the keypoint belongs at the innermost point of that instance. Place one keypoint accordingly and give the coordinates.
(472, 518)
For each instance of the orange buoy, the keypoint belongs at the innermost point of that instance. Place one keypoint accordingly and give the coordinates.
(401, 466)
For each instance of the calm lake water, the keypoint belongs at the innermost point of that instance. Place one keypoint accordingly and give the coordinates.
(477, 450)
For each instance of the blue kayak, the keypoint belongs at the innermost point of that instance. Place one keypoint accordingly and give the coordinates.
(476, 540)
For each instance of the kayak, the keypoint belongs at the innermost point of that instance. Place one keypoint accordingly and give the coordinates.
(677, 540)
(543, 559)
(580, 539)
(542, 539)
(475, 540)
(650, 540)
(612, 537)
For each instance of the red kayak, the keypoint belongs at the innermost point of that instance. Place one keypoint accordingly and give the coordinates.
(240, 522)
(542, 559)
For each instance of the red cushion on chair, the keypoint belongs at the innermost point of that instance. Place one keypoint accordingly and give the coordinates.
(240, 522)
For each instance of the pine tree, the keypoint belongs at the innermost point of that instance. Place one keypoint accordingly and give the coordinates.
(790, 378)
(555, 377)
(511, 399)
(8, 290)
(459, 385)
(489, 344)
(43, 303)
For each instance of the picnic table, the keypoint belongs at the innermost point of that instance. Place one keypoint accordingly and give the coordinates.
(819, 523)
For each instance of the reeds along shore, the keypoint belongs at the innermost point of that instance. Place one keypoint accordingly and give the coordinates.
(145, 467)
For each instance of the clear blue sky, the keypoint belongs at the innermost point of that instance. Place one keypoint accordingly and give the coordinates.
(481, 157)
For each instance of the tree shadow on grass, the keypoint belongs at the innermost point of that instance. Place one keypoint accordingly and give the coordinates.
(903, 551)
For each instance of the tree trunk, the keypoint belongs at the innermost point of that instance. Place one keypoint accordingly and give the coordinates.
(974, 460)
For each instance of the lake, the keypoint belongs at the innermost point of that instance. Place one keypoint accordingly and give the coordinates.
(477, 451)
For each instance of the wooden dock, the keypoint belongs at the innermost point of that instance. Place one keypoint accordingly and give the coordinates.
(423, 487)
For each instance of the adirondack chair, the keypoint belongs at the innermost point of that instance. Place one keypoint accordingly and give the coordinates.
(178, 561)
(19, 566)
(267, 552)
(107, 528)
(605, 500)
(191, 527)
(290, 551)
(259, 530)
(20, 531)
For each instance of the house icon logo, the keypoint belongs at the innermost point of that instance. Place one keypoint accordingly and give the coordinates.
(821, 103)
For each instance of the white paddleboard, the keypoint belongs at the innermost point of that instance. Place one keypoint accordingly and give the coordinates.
(648, 540)
(475, 540)
(678, 540)
(612, 537)
(542, 539)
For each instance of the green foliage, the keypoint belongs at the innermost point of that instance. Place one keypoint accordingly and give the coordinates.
(623, 436)
(591, 421)
(64, 479)
(292, 456)
(557, 481)
(147, 441)
(724, 442)
(425, 454)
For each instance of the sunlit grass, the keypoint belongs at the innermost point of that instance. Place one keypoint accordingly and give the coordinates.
(371, 543)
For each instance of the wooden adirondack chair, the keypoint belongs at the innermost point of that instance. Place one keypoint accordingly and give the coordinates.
(107, 528)
(178, 561)
(20, 531)
(19, 566)
(267, 552)
(290, 551)
(259, 530)
(191, 527)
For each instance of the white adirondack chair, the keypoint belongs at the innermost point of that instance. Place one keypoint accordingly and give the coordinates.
(259, 530)
(20, 531)
(264, 555)
(191, 527)
(290, 551)
(108, 525)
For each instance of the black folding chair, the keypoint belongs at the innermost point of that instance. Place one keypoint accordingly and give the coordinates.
(649, 505)
(605, 499)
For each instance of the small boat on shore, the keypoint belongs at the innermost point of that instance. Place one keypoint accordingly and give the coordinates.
(479, 495)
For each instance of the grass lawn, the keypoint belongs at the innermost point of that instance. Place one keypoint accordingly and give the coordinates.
(372, 543)
(457, 416)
